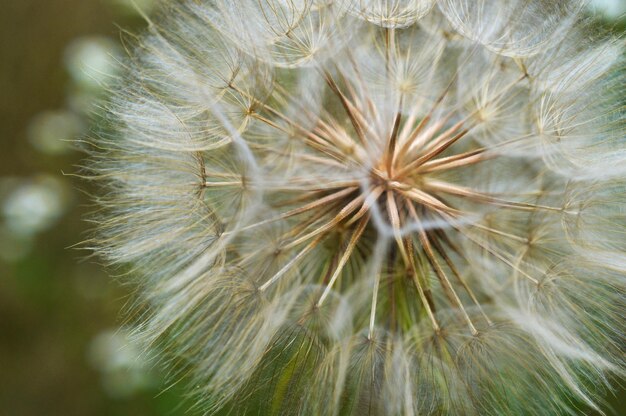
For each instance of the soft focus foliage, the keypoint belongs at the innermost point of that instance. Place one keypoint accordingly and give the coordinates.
(372, 207)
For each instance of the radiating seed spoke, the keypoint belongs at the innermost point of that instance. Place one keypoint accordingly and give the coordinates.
(356, 235)
(439, 272)
(347, 210)
(291, 263)
(458, 190)
(426, 300)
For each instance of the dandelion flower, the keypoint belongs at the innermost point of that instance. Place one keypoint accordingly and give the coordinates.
(350, 207)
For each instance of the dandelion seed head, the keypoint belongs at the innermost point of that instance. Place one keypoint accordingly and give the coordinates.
(372, 207)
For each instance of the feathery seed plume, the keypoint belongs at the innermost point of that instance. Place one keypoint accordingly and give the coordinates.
(381, 207)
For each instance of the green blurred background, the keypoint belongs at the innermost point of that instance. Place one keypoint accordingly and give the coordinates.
(63, 346)
(63, 349)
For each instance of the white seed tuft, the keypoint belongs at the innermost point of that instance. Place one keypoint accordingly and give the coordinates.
(350, 207)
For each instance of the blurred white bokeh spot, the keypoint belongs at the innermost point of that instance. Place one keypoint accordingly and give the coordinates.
(35, 205)
(92, 61)
(120, 363)
(51, 132)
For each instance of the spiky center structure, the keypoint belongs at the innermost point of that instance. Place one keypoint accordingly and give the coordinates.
(397, 187)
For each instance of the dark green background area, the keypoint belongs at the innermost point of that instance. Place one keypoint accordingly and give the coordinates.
(55, 301)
